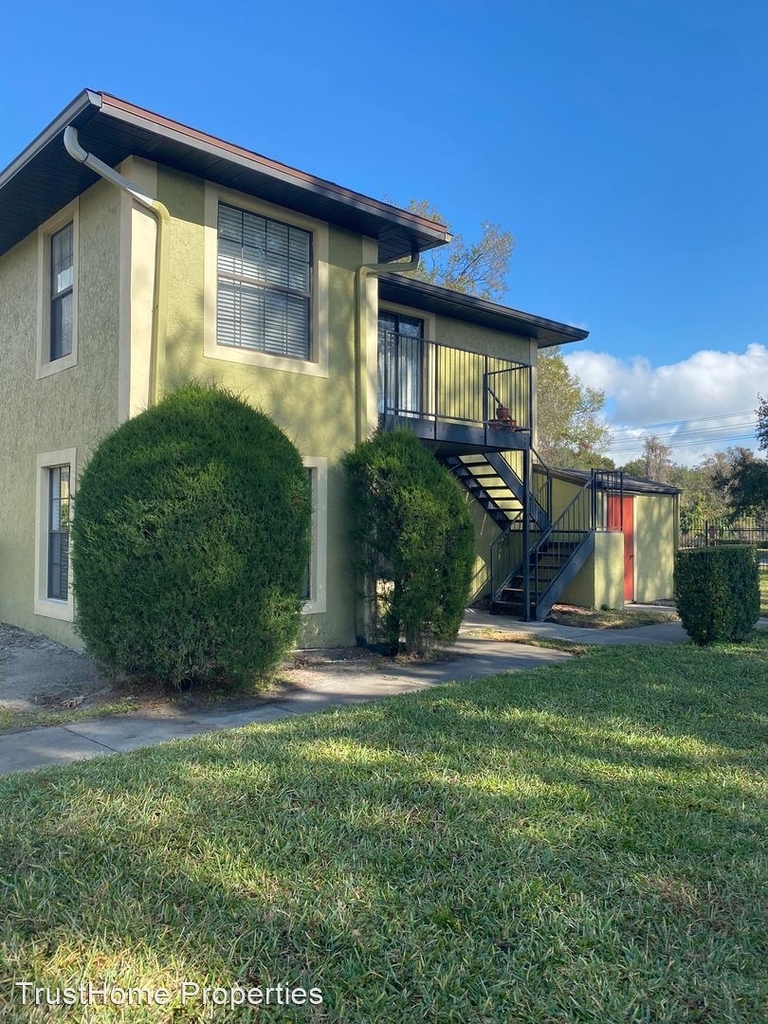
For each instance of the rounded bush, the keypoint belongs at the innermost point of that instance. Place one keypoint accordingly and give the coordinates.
(414, 539)
(191, 541)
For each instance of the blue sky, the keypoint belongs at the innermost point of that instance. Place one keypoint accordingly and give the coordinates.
(623, 144)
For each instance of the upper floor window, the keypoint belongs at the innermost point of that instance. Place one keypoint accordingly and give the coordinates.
(57, 292)
(400, 369)
(62, 288)
(264, 294)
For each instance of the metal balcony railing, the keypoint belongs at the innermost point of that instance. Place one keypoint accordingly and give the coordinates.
(452, 388)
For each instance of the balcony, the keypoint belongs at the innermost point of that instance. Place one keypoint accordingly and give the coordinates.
(459, 401)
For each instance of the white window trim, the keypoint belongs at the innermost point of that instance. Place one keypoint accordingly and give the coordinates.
(45, 365)
(430, 320)
(317, 602)
(51, 607)
(318, 365)
(430, 334)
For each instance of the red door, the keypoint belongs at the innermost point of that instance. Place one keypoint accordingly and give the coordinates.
(621, 516)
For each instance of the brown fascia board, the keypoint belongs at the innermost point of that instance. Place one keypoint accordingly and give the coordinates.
(105, 119)
(122, 110)
(447, 302)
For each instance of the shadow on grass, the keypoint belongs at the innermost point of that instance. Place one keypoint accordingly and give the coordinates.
(528, 847)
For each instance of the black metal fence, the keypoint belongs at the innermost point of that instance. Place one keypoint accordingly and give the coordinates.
(713, 532)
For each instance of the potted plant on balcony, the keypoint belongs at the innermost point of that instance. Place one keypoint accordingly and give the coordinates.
(503, 418)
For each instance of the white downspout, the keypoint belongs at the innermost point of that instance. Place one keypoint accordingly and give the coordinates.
(163, 218)
(362, 274)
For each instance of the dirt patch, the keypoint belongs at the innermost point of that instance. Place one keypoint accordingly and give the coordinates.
(609, 618)
(37, 672)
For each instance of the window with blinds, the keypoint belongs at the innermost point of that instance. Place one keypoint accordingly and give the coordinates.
(264, 284)
(58, 532)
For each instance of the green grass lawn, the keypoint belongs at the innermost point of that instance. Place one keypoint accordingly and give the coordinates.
(582, 843)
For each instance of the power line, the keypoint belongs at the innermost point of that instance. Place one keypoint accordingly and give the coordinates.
(692, 419)
(725, 440)
(683, 435)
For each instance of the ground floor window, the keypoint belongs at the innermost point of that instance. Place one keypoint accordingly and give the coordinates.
(53, 590)
(58, 532)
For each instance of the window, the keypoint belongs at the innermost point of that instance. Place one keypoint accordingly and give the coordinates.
(264, 284)
(265, 298)
(62, 282)
(400, 363)
(57, 292)
(315, 579)
(58, 533)
(55, 476)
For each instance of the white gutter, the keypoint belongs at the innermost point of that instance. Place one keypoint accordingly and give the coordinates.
(163, 218)
(361, 276)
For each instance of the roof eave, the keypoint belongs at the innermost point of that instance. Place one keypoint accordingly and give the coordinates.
(114, 129)
(85, 102)
(543, 331)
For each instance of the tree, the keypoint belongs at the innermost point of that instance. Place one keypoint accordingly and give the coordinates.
(191, 542)
(570, 431)
(700, 499)
(414, 539)
(747, 486)
(655, 463)
(475, 268)
(762, 423)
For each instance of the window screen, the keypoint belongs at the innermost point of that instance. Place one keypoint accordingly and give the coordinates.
(265, 284)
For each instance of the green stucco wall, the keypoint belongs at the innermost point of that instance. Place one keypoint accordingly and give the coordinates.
(73, 408)
(460, 334)
(600, 580)
(317, 413)
(486, 532)
(563, 493)
(655, 535)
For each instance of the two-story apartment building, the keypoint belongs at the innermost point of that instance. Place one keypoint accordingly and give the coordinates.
(136, 252)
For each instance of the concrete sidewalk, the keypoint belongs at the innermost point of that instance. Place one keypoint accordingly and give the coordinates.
(469, 658)
(662, 633)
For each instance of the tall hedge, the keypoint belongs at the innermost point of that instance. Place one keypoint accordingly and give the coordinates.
(191, 540)
(414, 539)
(718, 592)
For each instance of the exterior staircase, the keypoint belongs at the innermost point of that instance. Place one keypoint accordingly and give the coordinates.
(493, 483)
(526, 584)
(552, 565)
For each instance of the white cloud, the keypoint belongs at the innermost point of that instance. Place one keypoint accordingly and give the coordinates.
(718, 390)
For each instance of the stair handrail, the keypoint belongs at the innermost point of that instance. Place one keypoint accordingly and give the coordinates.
(502, 538)
(546, 486)
(548, 476)
(555, 527)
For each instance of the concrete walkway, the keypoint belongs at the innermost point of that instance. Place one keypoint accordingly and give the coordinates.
(332, 685)
(663, 633)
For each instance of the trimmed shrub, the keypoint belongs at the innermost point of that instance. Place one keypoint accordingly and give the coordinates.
(191, 541)
(414, 539)
(717, 592)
